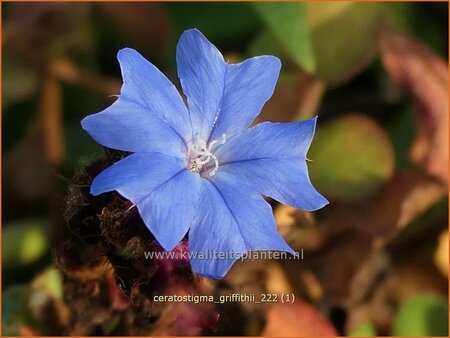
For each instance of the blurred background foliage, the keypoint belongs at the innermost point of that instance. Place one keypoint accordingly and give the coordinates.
(376, 74)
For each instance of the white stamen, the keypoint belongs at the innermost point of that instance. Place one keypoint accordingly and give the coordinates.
(200, 154)
(216, 165)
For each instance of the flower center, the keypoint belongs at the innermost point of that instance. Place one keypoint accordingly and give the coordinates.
(201, 156)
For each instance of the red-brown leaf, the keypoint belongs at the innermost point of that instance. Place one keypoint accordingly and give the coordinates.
(296, 320)
(424, 75)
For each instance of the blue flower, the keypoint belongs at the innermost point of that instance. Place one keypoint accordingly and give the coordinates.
(200, 169)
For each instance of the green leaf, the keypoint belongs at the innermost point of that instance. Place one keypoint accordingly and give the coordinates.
(287, 22)
(422, 315)
(364, 330)
(13, 309)
(266, 44)
(24, 242)
(50, 281)
(343, 36)
(350, 158)
(111, 324)
(332, 40)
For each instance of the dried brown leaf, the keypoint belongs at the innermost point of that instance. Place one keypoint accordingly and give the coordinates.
(404, 198)
(441, 254)
(337, 262)
(52, 120)
(186, 318)
(296, 320)
(401, 200)
(424, 75)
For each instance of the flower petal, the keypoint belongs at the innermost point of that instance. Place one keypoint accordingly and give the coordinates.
(223, 98)
(201, 69)
(248, 86)
(169, 210)
(128, 126)
(155, 183)
(272, 157)
(235, 219)
(144, 84)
